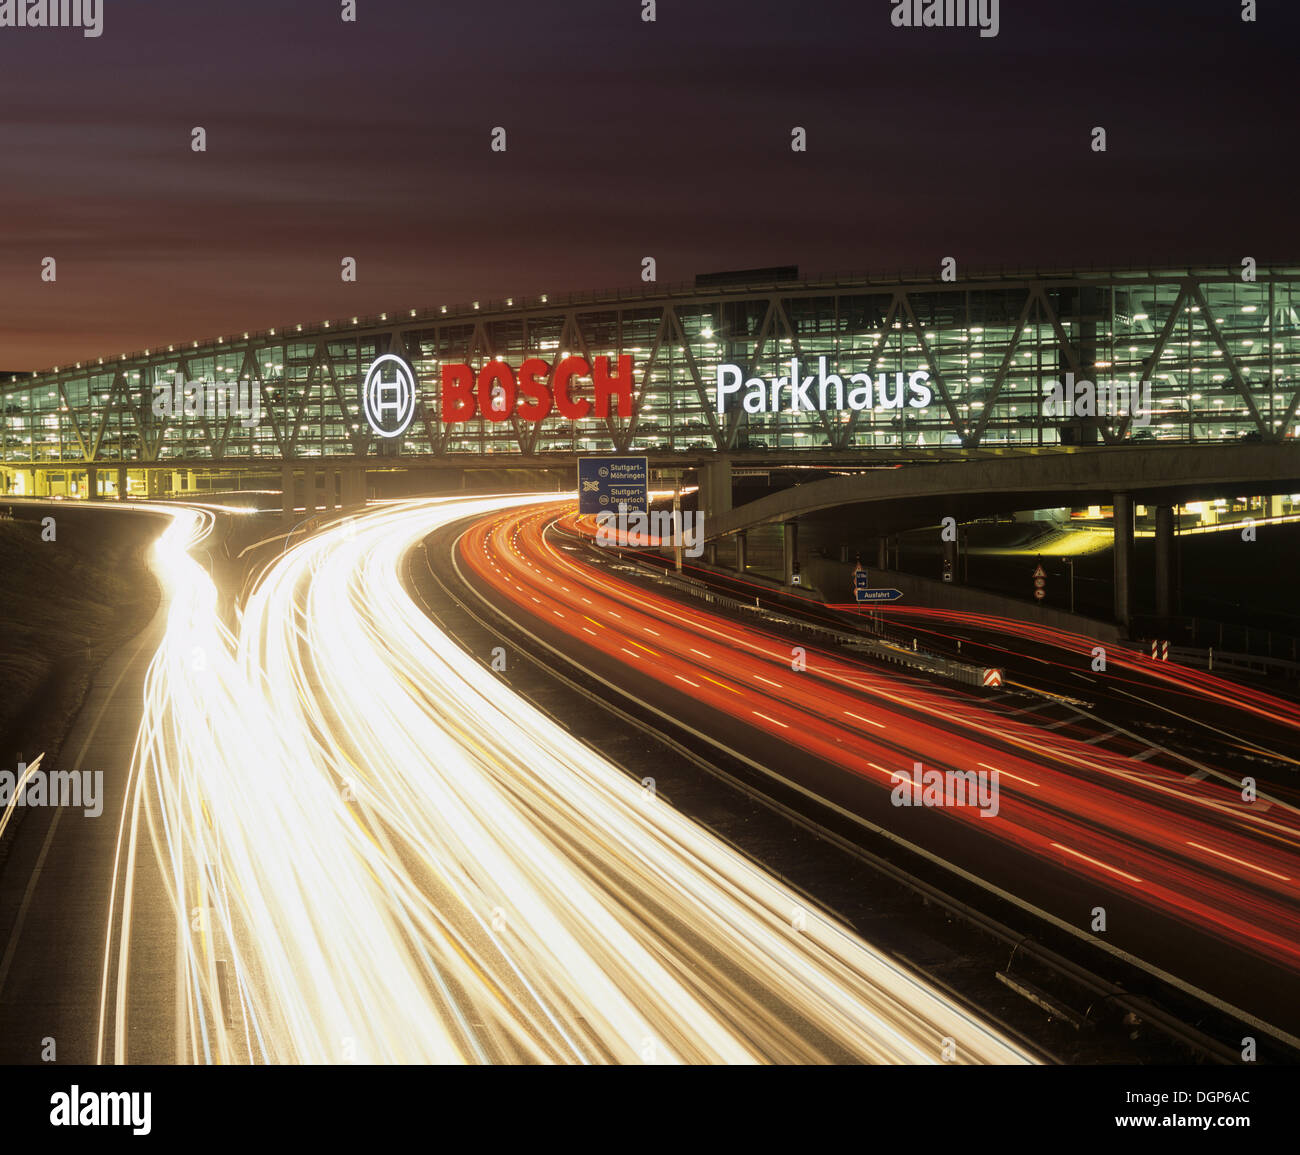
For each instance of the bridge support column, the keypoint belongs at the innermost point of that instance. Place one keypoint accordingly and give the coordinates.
(92, 484)
(309, 474)
(1123, 555)
(1164, 560)
(151, 483)
(715, 489)
(287, 503)
(742, 551)
(123, 483)
(790, 542)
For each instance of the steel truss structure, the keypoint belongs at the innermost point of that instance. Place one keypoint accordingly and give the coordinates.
(1220, 351)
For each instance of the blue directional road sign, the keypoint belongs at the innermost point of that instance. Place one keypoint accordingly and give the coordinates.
(877, 595)
(608, 482)
(860, 579)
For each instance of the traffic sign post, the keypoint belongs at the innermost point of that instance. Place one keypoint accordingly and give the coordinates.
(608, 482)
(1040, 582)
(868, 595)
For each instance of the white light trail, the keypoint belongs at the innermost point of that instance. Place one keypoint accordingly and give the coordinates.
(379, 853)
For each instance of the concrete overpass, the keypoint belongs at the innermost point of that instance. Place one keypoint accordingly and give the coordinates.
(1122, 477)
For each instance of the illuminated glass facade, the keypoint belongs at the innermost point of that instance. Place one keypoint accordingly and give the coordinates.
(1220, 353)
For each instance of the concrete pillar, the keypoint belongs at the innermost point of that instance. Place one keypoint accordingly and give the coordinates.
(742, 551)
(715, 488)
(288, 501)
(790, 541)
(882, 553)
(123, 483)
(193, 482)
(309, 475)
(1275, 505)
(1164, 560)
(92, 484)
(711, 553)
(1123, 552)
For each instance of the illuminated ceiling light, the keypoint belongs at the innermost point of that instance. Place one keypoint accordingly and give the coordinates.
(1249, 308)
(1139, 316)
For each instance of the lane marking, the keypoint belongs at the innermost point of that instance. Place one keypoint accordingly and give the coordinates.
(860, 718)
(1097, 862)
(767, 719)
(1240, 861)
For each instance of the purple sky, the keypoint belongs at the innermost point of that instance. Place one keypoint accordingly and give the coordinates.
(625, 140)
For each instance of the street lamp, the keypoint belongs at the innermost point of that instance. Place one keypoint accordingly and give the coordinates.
(1070, 562)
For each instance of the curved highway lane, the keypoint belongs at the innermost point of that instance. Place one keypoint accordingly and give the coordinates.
(378, 853)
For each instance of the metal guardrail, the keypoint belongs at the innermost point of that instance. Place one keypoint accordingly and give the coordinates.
(881, 648)
(1216, 660)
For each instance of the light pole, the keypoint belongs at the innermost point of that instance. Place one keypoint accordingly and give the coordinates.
(1070, 562)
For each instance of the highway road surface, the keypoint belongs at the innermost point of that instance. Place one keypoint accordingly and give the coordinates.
(341, 838)
(1186, 873)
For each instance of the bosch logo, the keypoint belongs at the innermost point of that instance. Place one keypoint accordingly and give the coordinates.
(388, 395)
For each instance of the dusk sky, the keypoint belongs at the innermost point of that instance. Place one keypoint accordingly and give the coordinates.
(625, 139)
